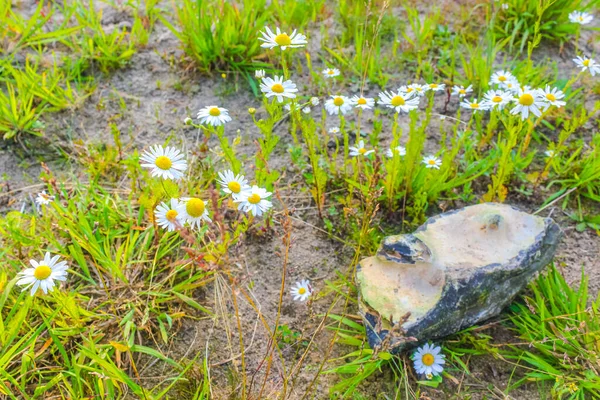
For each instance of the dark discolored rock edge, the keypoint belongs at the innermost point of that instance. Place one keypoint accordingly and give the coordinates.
(467, 300)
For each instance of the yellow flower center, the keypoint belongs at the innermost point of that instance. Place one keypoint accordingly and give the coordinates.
(497, 99)
(42, 272)
(195, 207)
(474, 105)
(431, 162)
(171, 215)
(234, 186)
(526, 99)
(581, 18)
(408, 90)
(215, 112)
(462, 91)
(254, 199)
(362, 150)
(551, 97)
(433, 86)
(427, 359)
(331, 72)
(163, 162)
(283, 39)
(586, 62)
(338, 101)
(361, 101)
(301, 290)
(502, 78)
(277, 88)
(398, 101)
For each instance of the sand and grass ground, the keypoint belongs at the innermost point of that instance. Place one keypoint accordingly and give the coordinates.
(207, 313)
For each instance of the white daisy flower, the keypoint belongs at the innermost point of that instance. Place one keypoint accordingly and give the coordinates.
(254, 201)
(331, 72)
(279, 88)
(334, 130)
(428, 360)
(418, 89)
(314, 101)
(579, 17)
(337, 104)
(496, 99)
(551, 97)
(432, 162)
(42, 274)
(461, 91)
(500, 77)
(281, 39)
(400, 150)
(436, 87)
(473, 105)
(259, 73)
(366, 103)
(44, 198)
(512, 86)
(399, 101)
(302, 290)
(194, 211)
(167, 163)
(233, 184)
(214, 115)
(586, 63)
(528, 101)
(550, 153)
(169, 216)
(359, 150)
(306, 110)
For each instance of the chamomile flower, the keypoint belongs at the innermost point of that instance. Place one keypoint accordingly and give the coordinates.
(259, 73)
(461, 91)
(512, 86)
(528, 101)
(399, 101)
(418, 89)
(281, 39)
(359, 150)
(496, 99)
(331, 72)
(279, 88)
(232, 184)
(302, 290)
(334, 130)
(314, 101)
(167, 163)
(473, 105)
(500, 77)
(338, 104)
(586, 63)
(169, 216)
(306, 110)
(551, 97)
(399, 150)
(214, 115)
(366, 103)
(43, 274)
(428, 360)
(194, 211)
(432, 162)
(436, 87)
(254, 201)
(550, 153)
(581, 18)
(44, 198)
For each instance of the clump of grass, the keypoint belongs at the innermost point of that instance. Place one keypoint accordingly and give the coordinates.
(560, 325)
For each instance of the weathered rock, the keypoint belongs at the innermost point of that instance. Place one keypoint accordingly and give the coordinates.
(455, 270)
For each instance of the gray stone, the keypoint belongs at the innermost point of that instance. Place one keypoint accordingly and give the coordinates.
(457, 269)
